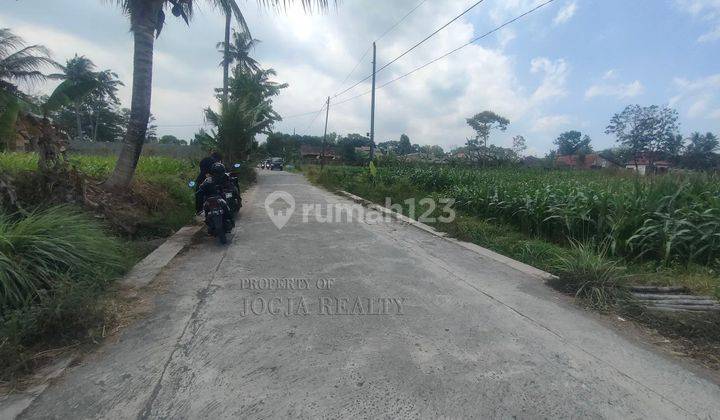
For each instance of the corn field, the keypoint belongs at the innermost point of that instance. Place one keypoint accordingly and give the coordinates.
(673, 218)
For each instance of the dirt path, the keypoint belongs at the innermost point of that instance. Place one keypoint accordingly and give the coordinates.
(410, 325)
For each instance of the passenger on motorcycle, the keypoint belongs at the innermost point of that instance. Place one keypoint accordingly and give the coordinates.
(212, 184)
(205, 166)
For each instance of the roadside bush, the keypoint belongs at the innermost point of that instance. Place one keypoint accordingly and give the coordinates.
(587, 272)
(47, 246)
(55, 265)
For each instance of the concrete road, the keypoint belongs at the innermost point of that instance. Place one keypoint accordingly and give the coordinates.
(411, 325)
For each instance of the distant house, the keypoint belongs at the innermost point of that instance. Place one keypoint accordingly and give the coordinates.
(310, 153)
(589, 161)
(644, 167)
(459, 155)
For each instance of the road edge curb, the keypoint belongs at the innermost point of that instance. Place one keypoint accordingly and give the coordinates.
(144, 272)
(517, 265)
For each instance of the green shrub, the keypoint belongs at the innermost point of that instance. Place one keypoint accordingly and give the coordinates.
(590, 275)
(48, 246)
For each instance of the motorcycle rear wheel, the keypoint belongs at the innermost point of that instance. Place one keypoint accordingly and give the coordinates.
(219, 229)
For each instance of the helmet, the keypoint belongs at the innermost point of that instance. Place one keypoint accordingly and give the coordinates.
(217, 168)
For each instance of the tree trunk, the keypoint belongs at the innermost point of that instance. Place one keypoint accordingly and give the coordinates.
(78, 120)
(144, 39)
(226, 53)
(97, 124)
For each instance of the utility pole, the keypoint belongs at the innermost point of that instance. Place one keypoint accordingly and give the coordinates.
(327, 114)
(372, 107)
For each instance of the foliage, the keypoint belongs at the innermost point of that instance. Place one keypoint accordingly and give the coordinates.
(483, 124)
(19, 63)
(519, 145)
(238, 52)
(404, 146)
(648, 132)
(700, 153)
(48, 246)
(170, 139)
(247, 113)
(430, 152)
(573, 143)
(631, 217)
(587, 273)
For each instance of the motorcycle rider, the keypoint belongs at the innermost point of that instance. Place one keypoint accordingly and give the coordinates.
(212, 184)
(205, 166)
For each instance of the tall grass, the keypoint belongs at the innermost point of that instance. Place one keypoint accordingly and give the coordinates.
(51, 246)
(586, 272)
(101, 166)
(674, 218)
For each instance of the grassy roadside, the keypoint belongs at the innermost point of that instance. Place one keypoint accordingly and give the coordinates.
(587, 271)
(58, 263)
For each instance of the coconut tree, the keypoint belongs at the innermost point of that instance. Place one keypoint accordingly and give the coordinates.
(238, 53)
(104, 96)
(19, 63)
(147, 18)
(229, 11)
(80, 79)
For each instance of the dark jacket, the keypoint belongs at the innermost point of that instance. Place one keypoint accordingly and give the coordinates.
(212, 185)
(205, 166)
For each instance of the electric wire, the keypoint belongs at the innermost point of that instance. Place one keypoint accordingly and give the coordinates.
(411, 48)
(485, 35)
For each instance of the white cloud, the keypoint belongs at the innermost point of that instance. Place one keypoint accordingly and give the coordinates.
(699, 98)
(566, 13)
(555, 76)
(619, 91)
(550, 123)
(713, 35)
(610, 74)
(705, 10)
(505, 37)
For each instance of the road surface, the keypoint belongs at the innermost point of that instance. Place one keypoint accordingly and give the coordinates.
(384, 320)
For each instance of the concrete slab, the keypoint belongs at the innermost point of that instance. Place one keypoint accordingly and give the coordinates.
(146, 270)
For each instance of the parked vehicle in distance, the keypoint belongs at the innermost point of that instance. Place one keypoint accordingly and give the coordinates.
(276, 163)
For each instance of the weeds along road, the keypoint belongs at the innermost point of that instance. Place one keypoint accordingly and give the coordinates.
(411, 325)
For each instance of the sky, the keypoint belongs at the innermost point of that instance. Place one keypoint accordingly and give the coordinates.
(570, 65)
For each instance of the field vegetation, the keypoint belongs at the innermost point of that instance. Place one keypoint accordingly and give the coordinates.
(665, 225)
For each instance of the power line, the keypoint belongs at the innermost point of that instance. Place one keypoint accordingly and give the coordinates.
(431, 35)
(400, 21)
(315, 117)
(364, 54)
(412, 48)
(472, 41)
(449, 52)
(300, 115)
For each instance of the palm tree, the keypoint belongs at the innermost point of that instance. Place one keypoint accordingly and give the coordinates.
(228, 9)
(147, 18)
(104, 96)
(79, 71)
(238, 52)
(19, 63)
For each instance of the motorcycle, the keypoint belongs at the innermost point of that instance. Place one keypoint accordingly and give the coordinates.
(218, 215)
(231, 190)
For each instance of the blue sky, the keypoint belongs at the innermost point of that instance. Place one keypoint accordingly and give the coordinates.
(570, 65)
